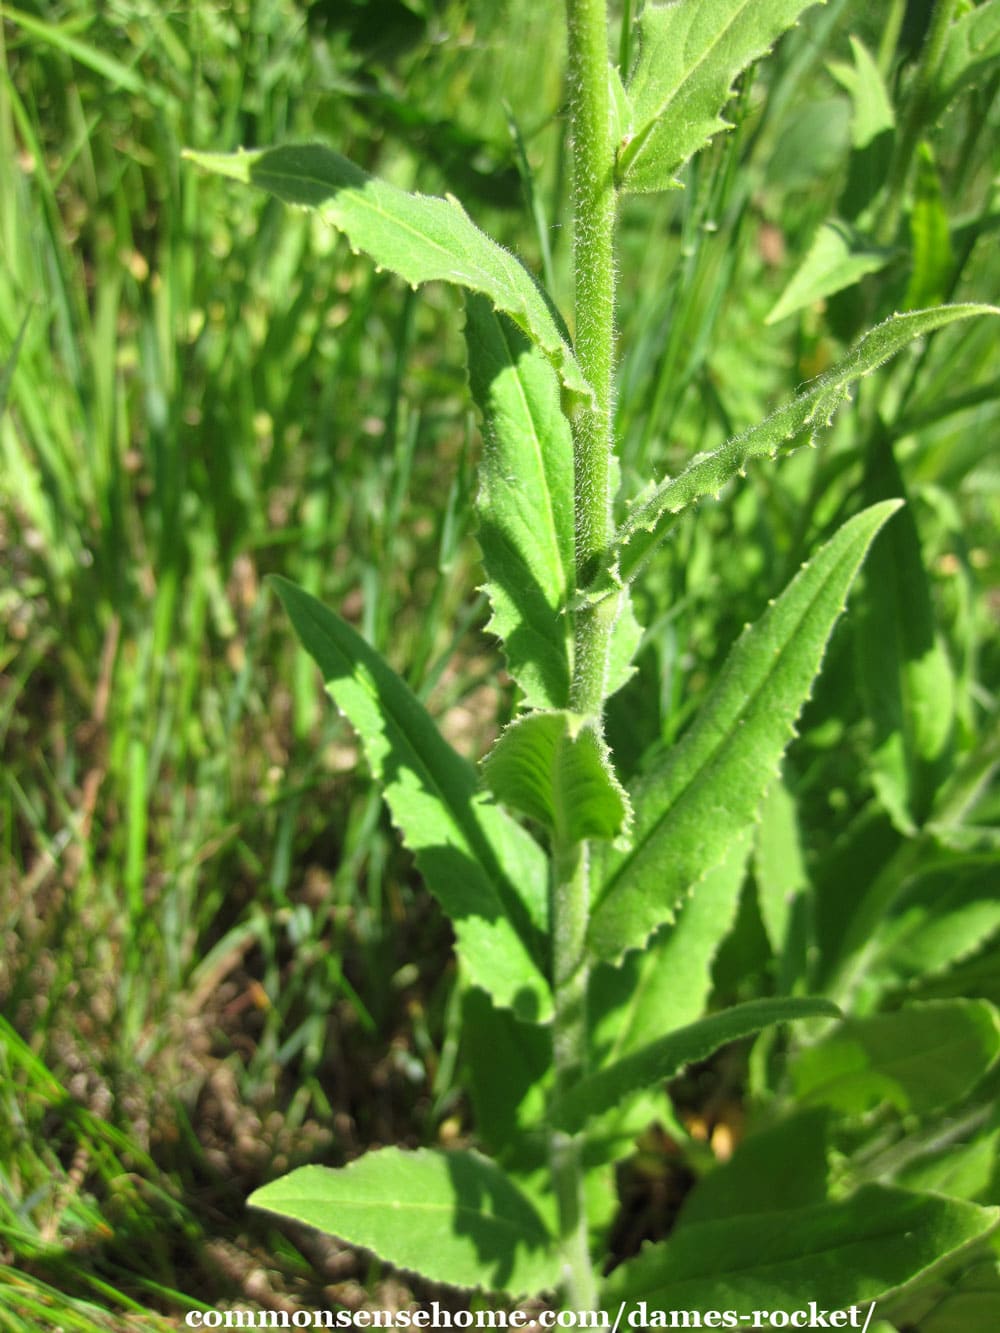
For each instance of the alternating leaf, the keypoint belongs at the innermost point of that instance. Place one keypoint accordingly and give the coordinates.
(836, 1254)
(689, 55)
(706, 791)
(920, 1059)
(906, 677)
(422, 238)
(971, 50)
(487, 873)
(930, 236)
(525, 503)
(662, 1059)
(796, 423)
(555, 768)
(453, 1217)
(838, 257)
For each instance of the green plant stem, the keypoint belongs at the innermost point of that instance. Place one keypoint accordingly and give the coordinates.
(915, 117)
(569, 1040)
(594, 297)
(594, 283)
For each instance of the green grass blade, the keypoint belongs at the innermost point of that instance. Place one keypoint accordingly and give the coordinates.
(525, 503)
(423, 239)
(707, 790)
(454, 1217)
(487, 873)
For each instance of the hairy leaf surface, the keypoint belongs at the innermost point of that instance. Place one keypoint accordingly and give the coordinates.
(689, 55)
(422, 238)
(525, 503)
(555, 768)
(796, 423)
(706, 791)
(836, 1254)
(454, 1217)
(662, 1059)
(487, 873)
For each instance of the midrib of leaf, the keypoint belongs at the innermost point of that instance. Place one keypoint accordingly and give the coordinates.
(706, 766)
(630, 154)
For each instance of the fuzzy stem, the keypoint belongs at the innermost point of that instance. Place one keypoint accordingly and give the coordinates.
(594, 294)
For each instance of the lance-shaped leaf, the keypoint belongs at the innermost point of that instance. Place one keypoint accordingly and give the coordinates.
(422, 238)
(487, 873)
(839, 257)
(556, 768)
(906, 677)
(689, 55)
(453, 1217)
(667, 985)
(525, 503)
(834, 1254)
(797, 423)
(663, 1058)
(706, 791)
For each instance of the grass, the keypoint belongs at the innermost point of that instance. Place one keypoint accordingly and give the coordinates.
(218, 963)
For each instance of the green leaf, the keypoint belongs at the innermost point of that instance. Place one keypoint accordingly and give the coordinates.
(487, 873)
(662, 1059)
(779, 867)
(525, 503)
(667, 984)
(689, 55)
(555, 767)
(906, 678)
(421, 238)
(872, 113)
(707, 789)
(836, 1254)
(919, 1059)
(797, 422)
(930, 237)
(967, 1302)
(453, 1217)
(776, 1169)
(942, 917)
(839, 257)
(971, 50)
(508, 1090)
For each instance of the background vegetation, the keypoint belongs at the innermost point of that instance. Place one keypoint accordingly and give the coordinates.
(218, 963)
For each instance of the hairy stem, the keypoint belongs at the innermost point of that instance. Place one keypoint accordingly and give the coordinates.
(594, 296)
